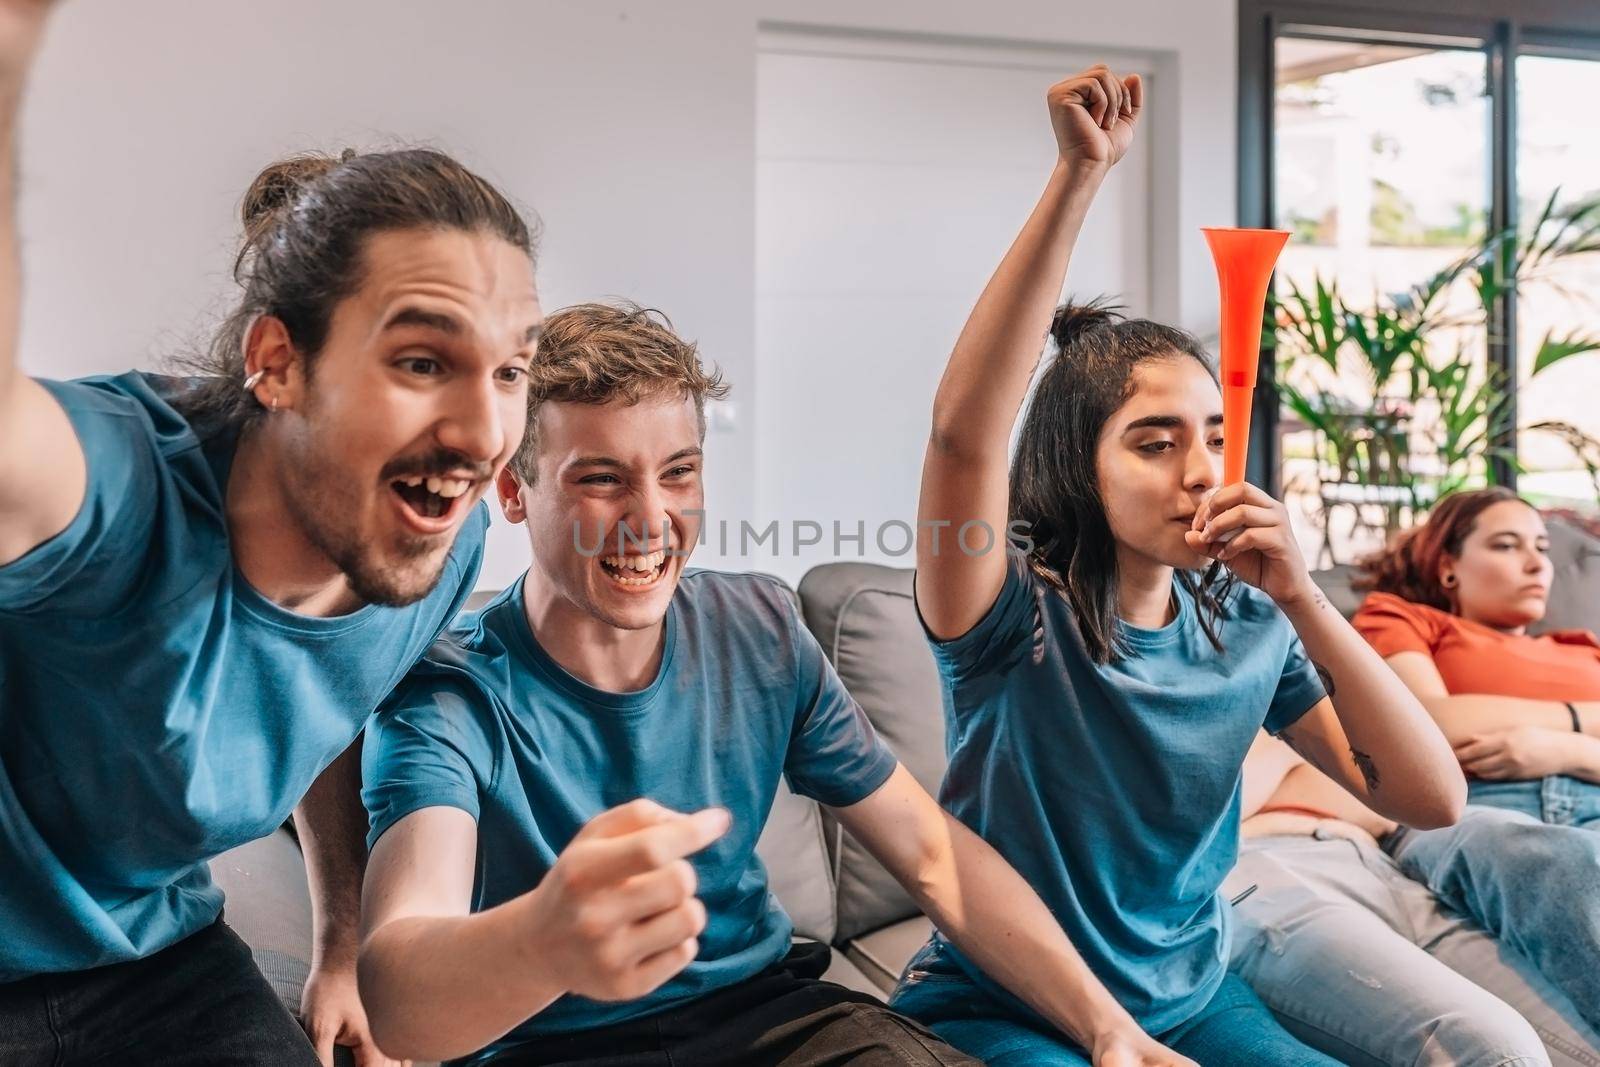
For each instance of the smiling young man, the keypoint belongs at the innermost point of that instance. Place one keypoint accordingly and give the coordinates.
(208, 583)
(566, 795)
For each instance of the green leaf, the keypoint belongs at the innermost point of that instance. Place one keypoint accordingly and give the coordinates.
(1554, 349)
(1579, 217)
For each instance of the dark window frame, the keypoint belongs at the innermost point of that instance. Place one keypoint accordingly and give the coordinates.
(1505, 29)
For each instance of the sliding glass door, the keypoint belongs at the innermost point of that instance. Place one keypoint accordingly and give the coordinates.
(1438, 307)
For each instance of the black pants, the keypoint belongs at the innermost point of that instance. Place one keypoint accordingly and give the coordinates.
(198, 1003)
(783, 1017)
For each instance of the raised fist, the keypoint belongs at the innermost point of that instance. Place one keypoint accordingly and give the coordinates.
(1094, 115)
(617, 915)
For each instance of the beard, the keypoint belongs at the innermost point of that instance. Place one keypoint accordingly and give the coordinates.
(394, 574)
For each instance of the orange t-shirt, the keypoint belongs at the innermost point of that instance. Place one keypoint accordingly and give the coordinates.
(1473, 658)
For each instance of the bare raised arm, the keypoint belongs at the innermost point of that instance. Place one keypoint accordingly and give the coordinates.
(42, 471)
(964, 474)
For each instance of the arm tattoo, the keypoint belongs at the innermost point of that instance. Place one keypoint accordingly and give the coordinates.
(1369, 770)
(1326, 676)
(1364, 762)
(1308, 753)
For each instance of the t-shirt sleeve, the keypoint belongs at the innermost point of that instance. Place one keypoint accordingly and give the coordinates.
(425, 748)
(100, 556)
(835, 756)
(1000, 639)
(1392, 624)
(1299, 688)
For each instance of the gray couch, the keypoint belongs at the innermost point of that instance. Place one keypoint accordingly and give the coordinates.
(863, 617)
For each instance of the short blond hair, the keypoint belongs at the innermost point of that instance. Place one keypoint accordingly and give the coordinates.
(598, 353)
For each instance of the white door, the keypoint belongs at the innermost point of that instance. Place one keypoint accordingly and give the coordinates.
(890, 178)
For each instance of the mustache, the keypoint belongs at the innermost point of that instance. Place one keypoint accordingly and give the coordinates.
(440, 462)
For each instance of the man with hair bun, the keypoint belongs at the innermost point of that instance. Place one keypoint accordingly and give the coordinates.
(207, 583)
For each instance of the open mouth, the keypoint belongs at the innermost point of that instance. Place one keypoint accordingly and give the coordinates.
(430, 498)
(635, 572)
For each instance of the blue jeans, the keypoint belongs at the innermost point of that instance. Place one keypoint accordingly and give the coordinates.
(1365, 964)
(198, 1003)
(1234, 1029)
(1533, 885)
(1557, 800)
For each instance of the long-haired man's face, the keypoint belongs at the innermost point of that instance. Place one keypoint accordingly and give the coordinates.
(1157, 456)
(1502, 576)
(417, 398)
(612, 511)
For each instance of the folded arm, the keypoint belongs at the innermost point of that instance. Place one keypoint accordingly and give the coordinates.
(1503, 736)
(1463, 715)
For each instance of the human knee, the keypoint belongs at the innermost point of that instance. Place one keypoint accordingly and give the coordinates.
(1487, 1034)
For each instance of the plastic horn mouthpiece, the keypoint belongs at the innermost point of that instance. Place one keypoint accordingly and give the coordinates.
(1244, 259)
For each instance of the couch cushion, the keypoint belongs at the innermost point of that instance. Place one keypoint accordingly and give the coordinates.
(793, 848)
(862, 614)
(795, 852)
(268, 905)
(1575, 593)
(843, 970)
(883, 954)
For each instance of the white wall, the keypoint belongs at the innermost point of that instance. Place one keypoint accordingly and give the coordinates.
(891, 175)
(629, 126)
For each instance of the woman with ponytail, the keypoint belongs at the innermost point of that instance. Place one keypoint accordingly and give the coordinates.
(1103, 684)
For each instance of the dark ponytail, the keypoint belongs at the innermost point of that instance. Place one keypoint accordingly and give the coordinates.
(1073, 322)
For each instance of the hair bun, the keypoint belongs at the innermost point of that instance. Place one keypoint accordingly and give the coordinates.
(279, 185)
(1073, 321)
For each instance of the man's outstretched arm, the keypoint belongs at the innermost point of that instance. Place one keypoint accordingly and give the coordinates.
(42, 470)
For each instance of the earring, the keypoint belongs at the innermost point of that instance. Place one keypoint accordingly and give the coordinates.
(253, 380)
(1448, 581)
(273, 405)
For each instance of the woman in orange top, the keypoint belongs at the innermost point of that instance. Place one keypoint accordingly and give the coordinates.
(1450, 608)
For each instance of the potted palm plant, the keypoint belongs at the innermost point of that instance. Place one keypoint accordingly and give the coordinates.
(1401, 412)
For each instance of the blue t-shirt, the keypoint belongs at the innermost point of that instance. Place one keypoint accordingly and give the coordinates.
(1114, 789)
(157, 710)
(490, 724)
